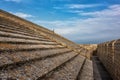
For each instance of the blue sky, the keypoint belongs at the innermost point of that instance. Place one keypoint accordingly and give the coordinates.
(82, 21)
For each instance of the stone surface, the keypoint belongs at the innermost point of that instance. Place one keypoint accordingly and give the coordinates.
(30, 52)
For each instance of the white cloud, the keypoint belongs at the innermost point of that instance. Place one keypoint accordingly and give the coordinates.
(77, 6)
(103, 25)
(23, 15)
(75, 11)
(111, 11)
(13, 0)
(82, 6)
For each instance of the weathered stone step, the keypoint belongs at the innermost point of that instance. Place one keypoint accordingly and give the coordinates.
(17, 28)
(9, 22)
(25, 41)
(35, 69)
(18, 57)
(18, 31)
(22, 33)
(87, 71)
(69, 71)
(23, 47)
(100, 72)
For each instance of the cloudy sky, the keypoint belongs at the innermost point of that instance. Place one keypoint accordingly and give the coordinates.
(82, 21)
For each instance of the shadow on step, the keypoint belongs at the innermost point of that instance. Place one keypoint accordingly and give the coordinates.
(99, 71)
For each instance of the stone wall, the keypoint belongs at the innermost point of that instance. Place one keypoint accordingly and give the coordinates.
(109, 54)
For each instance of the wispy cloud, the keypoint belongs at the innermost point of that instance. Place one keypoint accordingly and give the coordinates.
(104, 25)
(76, 11)
(82, 6)
(77, 6)
(13, 1)
(23, 15)
(113, 10)
(57, 7)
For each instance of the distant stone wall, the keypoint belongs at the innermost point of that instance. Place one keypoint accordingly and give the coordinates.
(88, 49)
(109, 54)
(38, 29)
(89, 46)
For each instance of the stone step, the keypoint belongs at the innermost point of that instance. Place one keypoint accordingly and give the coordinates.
(25, 41)
(34, 69)
(24, 47)
(18, 32)
(19, 25)
(100, 72)
(69, 71)
(10, 29)
(87, 72)
(17, 28)
(20, 57)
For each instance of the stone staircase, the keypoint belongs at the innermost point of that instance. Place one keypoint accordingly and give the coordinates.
(31, 52)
